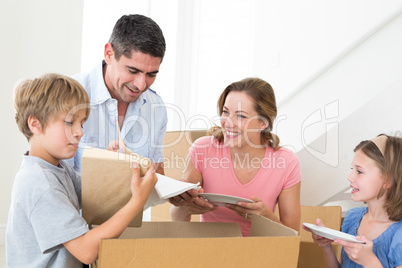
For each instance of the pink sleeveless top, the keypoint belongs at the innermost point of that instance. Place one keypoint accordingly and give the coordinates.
(279, 170)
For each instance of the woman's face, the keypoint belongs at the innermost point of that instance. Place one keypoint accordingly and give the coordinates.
(240, 122)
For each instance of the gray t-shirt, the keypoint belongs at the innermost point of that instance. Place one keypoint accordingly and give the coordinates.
(44, 213)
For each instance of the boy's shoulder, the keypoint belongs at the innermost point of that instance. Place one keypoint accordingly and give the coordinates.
(32, 166)
(37, 174)
(32, 175)
(39, 180)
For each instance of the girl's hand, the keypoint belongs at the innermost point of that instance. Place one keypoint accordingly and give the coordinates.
(359, 253)
(319, 240)
(244, 209)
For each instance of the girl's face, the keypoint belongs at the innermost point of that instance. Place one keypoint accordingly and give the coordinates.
(365, 179)
(240, 122)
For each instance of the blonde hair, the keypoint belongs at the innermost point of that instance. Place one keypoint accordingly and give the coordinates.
(264, 104)
(390, 165)
(46, 96)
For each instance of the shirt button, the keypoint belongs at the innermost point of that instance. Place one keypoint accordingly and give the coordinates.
(111, 107)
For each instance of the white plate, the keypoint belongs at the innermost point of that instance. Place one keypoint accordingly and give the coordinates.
(221, 199)
(331, 233)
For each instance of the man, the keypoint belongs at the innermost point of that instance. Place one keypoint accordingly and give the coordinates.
(119, 90)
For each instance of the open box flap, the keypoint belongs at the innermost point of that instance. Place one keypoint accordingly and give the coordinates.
(261, 226)
(106, 178)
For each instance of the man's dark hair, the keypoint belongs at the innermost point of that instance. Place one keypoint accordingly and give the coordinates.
(138, 33)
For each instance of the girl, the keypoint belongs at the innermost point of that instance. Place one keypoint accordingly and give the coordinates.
(376, 179)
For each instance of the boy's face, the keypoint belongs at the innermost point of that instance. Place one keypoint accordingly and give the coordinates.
(60, 138)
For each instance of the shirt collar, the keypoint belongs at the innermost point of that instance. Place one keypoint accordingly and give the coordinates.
(99, 91)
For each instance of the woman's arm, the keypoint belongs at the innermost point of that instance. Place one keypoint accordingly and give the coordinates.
(289, 207)
(188, 203)
(288, 203)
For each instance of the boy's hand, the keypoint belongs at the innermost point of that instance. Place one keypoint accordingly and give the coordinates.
(141, 188)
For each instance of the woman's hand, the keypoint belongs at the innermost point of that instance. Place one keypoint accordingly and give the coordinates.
(192, 202)
(244, 209)
(186, 197)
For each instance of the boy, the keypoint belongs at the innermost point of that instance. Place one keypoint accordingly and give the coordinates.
(45, 228)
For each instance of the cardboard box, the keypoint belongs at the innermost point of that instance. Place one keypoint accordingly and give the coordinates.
(176, 145)
(105, 179)
(310, 255)
(196, 244)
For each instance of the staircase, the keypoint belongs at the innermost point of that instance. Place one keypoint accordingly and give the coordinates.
(357, 98)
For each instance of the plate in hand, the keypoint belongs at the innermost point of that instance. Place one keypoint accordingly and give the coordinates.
(221, 199)
(331, 233)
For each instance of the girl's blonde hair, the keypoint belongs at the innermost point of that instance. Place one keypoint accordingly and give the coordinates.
(264, 104)
(47, 96)
(390, 165)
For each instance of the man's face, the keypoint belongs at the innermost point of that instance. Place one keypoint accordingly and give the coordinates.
(127, 78)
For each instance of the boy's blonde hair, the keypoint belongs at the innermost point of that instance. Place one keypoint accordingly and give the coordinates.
(45, 97)
(390, 164)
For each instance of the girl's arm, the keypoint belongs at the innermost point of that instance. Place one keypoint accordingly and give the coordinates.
(326, 246)
(85, 248)
(330, 257)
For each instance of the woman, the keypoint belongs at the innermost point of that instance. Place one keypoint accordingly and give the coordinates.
(243, 158)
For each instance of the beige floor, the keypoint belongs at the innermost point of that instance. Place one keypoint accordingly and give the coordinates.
(2, 257)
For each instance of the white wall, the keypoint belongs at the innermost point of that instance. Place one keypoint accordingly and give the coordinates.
(299, 40)
(99, 17)
(358, 98)
(321, 180)
(367, 70)
(36, 37)
(288, 43)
